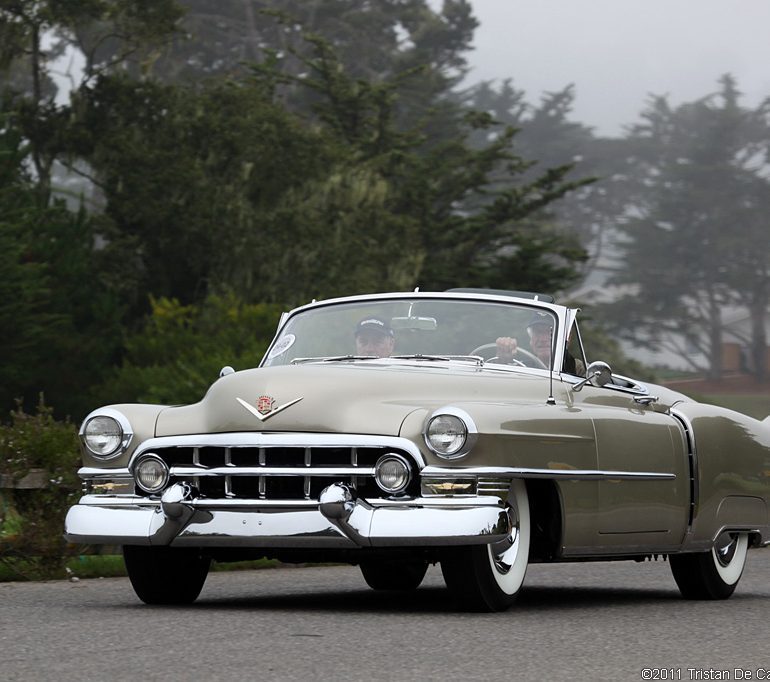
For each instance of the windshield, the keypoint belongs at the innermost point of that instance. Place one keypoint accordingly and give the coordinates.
(415, 327)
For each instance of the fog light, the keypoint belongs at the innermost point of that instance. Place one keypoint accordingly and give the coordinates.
(151, 473)
(392, 473)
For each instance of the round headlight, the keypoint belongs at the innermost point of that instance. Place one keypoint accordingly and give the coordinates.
(392, 473)
(151, 473)
(446, 434)
(103, 435)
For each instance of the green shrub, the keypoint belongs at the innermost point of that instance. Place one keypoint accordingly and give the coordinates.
(180, 350)
(37, 451)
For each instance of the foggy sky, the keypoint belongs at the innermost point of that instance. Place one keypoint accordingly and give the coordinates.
(617, 52)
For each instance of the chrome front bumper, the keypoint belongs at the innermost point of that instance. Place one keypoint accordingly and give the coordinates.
(337, 520)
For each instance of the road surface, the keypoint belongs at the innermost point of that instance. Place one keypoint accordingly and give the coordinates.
(586, 621)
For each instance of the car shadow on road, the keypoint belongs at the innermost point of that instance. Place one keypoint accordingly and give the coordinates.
(437, 600)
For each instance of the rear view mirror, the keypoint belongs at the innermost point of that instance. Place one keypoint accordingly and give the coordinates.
(414, 323)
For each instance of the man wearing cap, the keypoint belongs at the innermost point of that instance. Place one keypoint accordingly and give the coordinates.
(540, 330)
(374, 337)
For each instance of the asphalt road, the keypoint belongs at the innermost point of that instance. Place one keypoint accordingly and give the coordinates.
(574, 621)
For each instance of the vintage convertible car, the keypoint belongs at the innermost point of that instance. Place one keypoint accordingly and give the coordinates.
(381, 431)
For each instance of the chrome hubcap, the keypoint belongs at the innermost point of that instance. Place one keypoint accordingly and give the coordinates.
(725, 548)
(504, 552)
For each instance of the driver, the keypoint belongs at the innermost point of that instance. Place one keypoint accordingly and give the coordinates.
(374, 337)
(540, 331)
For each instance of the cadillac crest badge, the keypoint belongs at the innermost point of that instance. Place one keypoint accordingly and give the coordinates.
(265, 404)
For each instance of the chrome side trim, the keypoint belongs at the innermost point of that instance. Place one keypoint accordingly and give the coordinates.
(98, 473)
(560, 474)
(692, 451)
(118, 501)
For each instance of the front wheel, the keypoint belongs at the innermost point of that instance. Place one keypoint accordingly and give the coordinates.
(489, 577)
(166, 575)
(714, 574)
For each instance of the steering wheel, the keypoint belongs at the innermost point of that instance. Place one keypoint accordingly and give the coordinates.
(530, 356)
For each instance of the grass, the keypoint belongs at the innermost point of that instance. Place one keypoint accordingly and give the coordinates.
(757, 405)
(19, 569)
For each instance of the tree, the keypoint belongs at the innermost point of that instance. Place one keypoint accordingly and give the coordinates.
(217, 186)
(35, 33)
(60, 321)
(697, 219)
(428, 186)
(190, 176)
(549, 136)
(375, 40)
(225, 185)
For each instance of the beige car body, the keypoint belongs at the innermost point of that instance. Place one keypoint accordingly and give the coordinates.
(619, 470)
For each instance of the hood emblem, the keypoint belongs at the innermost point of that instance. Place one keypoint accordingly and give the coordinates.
(264, 409)
(265, 404)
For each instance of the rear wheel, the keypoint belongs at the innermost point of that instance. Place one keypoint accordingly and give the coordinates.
(394, 575)
(714, 574)
(166, 575)
(489, 577)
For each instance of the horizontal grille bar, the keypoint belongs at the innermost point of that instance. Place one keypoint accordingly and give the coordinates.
(493, 486)
(272, 471)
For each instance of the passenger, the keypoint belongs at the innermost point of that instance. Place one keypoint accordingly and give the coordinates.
(374, 337)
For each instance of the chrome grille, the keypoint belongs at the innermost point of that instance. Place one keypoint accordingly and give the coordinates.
(273, 472)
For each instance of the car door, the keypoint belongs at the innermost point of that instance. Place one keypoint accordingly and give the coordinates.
(646, 504)
(644, 491)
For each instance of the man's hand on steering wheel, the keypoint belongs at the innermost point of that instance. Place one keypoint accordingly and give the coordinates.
(507, 347)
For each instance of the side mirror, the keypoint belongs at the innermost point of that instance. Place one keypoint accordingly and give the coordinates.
(598, 374)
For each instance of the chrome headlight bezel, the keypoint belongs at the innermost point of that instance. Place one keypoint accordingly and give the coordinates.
(393, 457)
(125, 433)
(465, 426)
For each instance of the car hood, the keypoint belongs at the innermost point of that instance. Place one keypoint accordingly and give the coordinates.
(364, 398)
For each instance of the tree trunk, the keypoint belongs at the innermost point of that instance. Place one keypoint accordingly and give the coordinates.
(758, 310)
(715, 338)
(41, 166)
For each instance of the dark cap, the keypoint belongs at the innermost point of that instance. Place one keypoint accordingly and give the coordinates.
(374, 324)
(540, 319)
